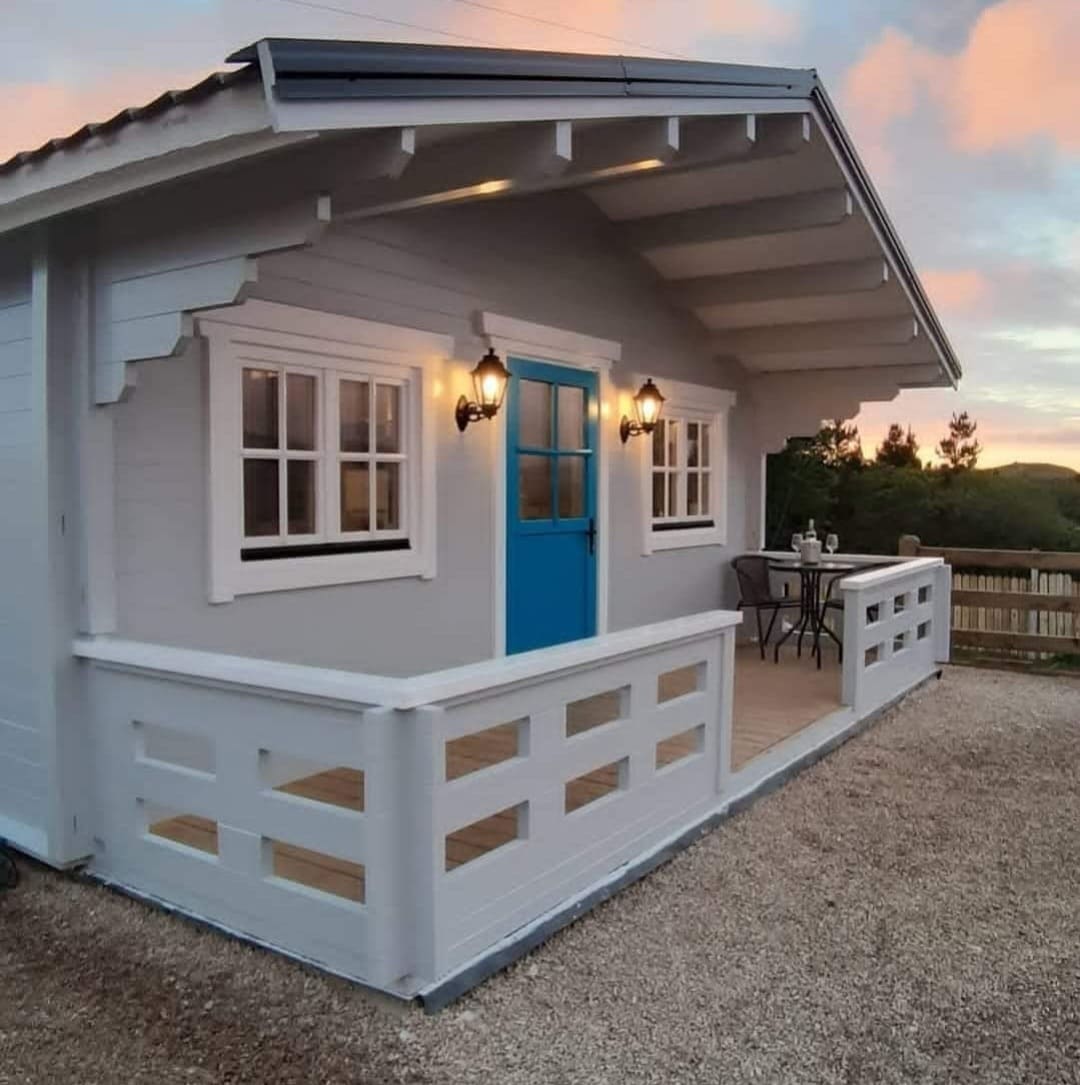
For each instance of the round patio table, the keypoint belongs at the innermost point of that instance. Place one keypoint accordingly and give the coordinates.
(811, 603)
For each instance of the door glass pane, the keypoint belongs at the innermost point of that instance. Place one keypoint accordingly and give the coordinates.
(355, 497)
(300, 412)
(354, 406)
(658, 444)
(387, 418)
(691, 444)
(658, 493)
(534, 424)
(387, 496)
(261, 498)
(300, 490)
(692, 494)
(260, 393)
(672, 435)
(704, 444)
(705, 493)
(571, 417)
(571, 486)
(534, 487)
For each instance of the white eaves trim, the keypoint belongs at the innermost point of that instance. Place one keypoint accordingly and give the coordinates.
(544, 343)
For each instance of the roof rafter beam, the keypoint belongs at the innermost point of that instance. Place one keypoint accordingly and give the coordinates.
(481, 166)
(728, 222)
(824, 335)
(916, 352)
(782, 284)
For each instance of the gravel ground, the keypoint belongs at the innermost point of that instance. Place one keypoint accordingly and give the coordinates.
(906, 911)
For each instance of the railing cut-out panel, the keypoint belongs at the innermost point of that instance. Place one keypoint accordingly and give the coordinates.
(483, 749)
(187, 830)
(170, 746)
(315, 870)
(594, 785)
(596, 710)
(679, 682)
(337, 785)
(484, 836)
(670, 751)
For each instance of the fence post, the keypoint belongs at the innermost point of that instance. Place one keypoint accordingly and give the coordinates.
(909, 546)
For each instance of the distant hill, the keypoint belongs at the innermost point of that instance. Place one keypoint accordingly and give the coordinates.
(1038, 472)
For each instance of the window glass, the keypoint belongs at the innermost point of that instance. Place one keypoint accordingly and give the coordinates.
(658, 493)
(671, 431)
(691, 444)
(534, 487)
(571, 417)
(673, 495)
(260, 395)
(300, 488)
(387, 418)
(658, 444)
(704, 431)
(692, 506)
(300, 391)
(354, 401)
(355, 497)
(387, 496)
(571, 486)
(534, 422)
(261, 507)
(705, 493)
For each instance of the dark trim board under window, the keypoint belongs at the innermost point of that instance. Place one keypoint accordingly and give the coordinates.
(317, 550)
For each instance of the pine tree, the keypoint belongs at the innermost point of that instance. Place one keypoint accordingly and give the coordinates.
(838, 444)
(899, 449)
(960, 449)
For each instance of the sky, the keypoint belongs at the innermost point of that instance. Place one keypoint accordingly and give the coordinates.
(966, 113)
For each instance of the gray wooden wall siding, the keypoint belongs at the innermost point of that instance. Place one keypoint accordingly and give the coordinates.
(23, 775)
(551, 260)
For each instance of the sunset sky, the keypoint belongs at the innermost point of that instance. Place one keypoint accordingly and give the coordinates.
(967, 113)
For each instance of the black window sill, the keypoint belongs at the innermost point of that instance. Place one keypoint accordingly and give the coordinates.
(685, 525)
(319, 550)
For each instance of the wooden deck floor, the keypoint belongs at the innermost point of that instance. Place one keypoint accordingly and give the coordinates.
(772, 702)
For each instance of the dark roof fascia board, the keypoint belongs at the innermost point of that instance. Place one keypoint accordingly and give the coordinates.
(329, 70)
(904, 265)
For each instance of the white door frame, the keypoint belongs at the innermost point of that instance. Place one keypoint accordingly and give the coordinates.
(556, 346)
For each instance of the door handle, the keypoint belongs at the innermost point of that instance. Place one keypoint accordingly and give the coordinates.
(592, 534)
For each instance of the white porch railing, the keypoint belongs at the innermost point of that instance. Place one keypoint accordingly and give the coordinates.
(392, 829)
(896, 630)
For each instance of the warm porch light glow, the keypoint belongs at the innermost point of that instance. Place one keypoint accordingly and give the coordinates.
(489, 385)
(648, 404)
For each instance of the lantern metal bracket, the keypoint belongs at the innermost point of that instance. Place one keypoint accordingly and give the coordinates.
(466, 411)
(629, 428)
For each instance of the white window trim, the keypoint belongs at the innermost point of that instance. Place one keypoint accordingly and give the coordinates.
(286, 333)
(698, 403)
(559, 346)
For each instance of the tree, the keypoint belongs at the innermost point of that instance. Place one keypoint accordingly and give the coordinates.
(838, 444)
(960, 449)
(899, 449)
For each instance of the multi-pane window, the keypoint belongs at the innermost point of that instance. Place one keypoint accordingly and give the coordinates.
(683, 493)
(325, 460)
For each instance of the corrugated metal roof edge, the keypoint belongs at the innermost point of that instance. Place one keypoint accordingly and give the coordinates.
(213, 83)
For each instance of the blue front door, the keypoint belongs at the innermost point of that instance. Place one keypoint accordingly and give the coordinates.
(551, 505)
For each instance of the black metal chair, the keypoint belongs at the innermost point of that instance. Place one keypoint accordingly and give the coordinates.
(835, 605)
(756, 593)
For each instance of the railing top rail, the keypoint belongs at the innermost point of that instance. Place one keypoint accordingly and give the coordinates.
(873, 578)
(258, 675)
(325, 683)
(860, 559)
(439, 686)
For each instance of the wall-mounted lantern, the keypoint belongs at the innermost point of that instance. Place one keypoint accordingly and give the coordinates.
(648, 404)
(489, 385)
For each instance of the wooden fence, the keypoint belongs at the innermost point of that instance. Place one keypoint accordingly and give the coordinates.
(1020, 604)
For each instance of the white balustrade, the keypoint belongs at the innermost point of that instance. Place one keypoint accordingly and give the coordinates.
(895, 630)
(393, 828)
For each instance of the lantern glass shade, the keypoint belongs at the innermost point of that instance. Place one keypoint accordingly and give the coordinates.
(489, 383)
(648, 404)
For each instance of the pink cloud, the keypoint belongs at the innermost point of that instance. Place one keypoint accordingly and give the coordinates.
(36, 112)
(1014, 80)
(613, 25)
(959, 291)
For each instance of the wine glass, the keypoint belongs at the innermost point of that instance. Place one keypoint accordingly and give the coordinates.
(832, 542)
(796, 542)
